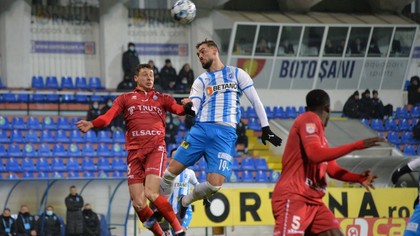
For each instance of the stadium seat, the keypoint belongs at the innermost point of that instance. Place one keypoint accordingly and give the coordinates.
(52, 98)
(63, 123)
(391, 125)
(22, 98)
(67, 82)
(38, 98)
(67, 98)
(275, 175)
(12, 165)
(103, 174)
(118, 136)
(202, 164)
(415, 112)
(61, 136)
(28, 175)
(46, 136)
(14, 150)
(43, 175)
(3, 151)
(377, 125)
(43, 165)
(235, 164)
(33, 123)
(407, 138)
(95, 83)
(365, 122)
(261, 164)
(37, 82)
(301, 110)
(73, 175)
(32, 136)
(76, 136)
(88, 174)
(254, 124)
(4, 123)
(59, 150)
(48, 123)
(97, 98)
(409, 150)
(103, 150)
(103, 164)
(29, 151)
(393, 137)
(74, 150)
(16, 136)
(81, 83)
(88, 150)
(57, 175)
(402, 113)
(44, 150)
(51, 82)
(90, 137)
(261, 176)
(28, 165)
(12, 176)
(233, 177)
(3, 136)
(404, 125)
(2, 167)
(251, 113)
(88, 165)
(248, 163)
(81, 98)
(118, 151)
(243, 112)
(73, 165)
(269, 112)
(18, 123)
(58, 165)
(291, 112)
(9, 97)
(117, 174)
(171, 147)
(247, 176)
(104, 137)
(118, 164)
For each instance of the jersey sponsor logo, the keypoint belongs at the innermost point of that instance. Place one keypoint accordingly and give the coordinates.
(225, 156)
(412, 226)
(293, 231)
(221, 87)
(310, 128)
(146, 132)
(155, 97)
(180, 185)
(134, 97)
(185, 144)
(144, 109)
(317, 187)
(161, 148)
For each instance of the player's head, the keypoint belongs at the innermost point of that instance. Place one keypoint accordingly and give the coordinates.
(144, 77)
(318, 101)
(207, 52)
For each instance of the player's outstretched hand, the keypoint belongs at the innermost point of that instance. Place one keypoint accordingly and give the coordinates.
(84, 125)
(188, 109)
(268, 135)
(368, 183)
(372, 142)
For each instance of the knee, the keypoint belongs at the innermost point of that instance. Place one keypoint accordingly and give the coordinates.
(151, 195)
(138, 203)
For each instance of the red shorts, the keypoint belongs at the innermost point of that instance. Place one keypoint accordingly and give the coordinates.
(295, 217)
(143, 162)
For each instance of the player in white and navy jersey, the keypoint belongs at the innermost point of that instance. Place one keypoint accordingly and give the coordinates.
(216, 100)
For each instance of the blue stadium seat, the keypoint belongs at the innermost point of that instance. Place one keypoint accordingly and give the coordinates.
(235, 164)
(58, 165)
(377, 125)
(117, 174)
(278, 112)
(76, 136)
(29, 150)
(118, 164)
(275, 175)
(74, 150)
(202, 164)
(32, 136)
(88, 165)
(415, 112)
(52, 98)
(44, 150)
(402, 113)
(409, 150)
(16, 136)
(14, 150)
(301, 110)
(97, 98)
(247, 176)
(81, 98)
(43, 175)
(67, 82)
(102, 174)
(67, 98)
(4, 123)
(104, 136)
(38, 98)
(118, 151)
(57, 175)
(254, 124)
(90, 137)
(291, 112)
(261, 176)
(261, 164)
(37, 82)
(63, 123)
(248, 163)
(22, 98)
(88, 174)
(4, 138)
(28, 165)
(269, 112)
(59, 150)
(365, 122)
(234, 177)
(407, 138)
(12, 176)
(393, 137)
(18, 123)
(9, 97)
(33, 123)
(171, 147)
(48, 123)
(28, 175)
(404, 125)
(61, 136)
(51, 82)
(73, 175)
(46, 136)
(12, 165)
(250, 112)
(81, 83)
(243, 112)
(73, 165)
(202, 176)
(391, 125)
(103, 150)
(43, 165)
(118, 136)
(3, 151)
(95, 83)
(88, 150)
(2, 167)
(103, 164)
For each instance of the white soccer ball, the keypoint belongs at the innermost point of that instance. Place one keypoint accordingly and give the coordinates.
(183, 11)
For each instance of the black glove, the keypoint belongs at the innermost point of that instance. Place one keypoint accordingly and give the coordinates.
(206, 202)
(188, 109)
(268, 135)
(399, 172)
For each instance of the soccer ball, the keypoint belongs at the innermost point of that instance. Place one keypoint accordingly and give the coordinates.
(183, 11)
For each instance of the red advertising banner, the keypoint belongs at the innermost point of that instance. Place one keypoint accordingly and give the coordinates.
(373, 226)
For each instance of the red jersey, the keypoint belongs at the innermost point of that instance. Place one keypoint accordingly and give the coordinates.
(144, 115)
(306, 160)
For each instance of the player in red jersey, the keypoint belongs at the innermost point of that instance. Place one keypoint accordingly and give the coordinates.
(144, 112)
(297, 197)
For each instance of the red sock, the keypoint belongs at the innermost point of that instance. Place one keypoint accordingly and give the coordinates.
(167, 212)
(144, 215)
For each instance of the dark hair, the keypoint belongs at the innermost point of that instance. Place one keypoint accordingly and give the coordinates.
(209, 43)
(131, 44)
(6, 209)
(141, 66)
(72, 186)
(317, 99)
(374, 92)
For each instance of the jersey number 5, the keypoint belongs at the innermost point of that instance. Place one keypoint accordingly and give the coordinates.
(296, 222)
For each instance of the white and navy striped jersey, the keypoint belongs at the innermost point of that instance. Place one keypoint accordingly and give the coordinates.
(216, 95)
(182, 186)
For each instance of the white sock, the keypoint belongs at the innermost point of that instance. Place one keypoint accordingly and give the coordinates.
(201, 191)
(166, 184)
